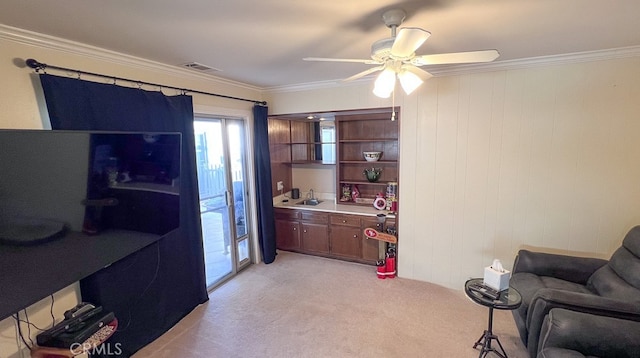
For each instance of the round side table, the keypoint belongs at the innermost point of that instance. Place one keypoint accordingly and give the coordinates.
(508, 299)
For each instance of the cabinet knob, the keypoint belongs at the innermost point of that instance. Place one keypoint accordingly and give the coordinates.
(294, 229)
(305, 231)
(355, 236)
(344, 221)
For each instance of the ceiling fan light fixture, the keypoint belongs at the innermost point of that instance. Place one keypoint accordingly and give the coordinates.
(385, 83)
(412, 77)
(409, 81)
(396, 56)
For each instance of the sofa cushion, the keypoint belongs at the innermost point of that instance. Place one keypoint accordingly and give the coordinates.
(528, 284)
(632, 241)
(627, 266)
(607, 283)
(565, 331)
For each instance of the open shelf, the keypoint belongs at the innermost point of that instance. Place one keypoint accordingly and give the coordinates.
(368, 164)
(365, 133)
(368, 140)
(364, 183)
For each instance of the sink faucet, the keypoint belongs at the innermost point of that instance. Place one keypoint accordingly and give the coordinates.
(311, 194)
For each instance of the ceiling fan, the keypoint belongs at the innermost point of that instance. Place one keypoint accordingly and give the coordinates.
(395, 56)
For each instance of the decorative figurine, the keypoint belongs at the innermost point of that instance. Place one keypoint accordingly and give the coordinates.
(346, 193)
(355, 193)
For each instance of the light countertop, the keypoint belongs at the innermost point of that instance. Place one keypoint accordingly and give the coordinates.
(332, 207)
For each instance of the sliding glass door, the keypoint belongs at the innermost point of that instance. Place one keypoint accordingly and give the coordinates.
(221, 164)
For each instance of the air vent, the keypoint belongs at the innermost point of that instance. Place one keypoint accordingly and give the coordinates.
(199, 67)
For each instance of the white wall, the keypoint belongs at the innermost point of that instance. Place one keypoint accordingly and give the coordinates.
(22, 107)
(544, 157)
(322, 179)
(39, 314)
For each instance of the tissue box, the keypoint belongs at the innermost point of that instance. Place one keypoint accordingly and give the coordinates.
(498, 280)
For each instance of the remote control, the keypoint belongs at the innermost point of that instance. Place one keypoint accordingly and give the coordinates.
(484, 291)
(78, 310)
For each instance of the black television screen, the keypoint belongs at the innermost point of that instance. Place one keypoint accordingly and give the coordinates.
(89, 181)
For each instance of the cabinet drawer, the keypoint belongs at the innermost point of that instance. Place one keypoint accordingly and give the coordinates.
(286, 214)
(372, 223)
(315, 217)
(346, 220)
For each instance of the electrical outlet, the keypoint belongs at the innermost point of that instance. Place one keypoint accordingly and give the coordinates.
(280, 185)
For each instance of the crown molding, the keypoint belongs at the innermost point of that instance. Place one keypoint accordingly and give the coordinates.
(76, 48)
(452, 70)
(36, 39)
(315, 85)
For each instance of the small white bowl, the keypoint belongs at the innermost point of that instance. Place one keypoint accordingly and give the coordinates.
(372, 156)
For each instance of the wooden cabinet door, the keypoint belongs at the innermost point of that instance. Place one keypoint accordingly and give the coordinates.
(287, 234)
(315, 238)
(372, 249)
(346, 241)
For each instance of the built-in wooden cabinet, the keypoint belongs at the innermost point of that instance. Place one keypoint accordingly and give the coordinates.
(346, 236)
(280, 154)
(315, 232)
(367, 132)
(287, 229)
(293, 140)
(301, 141)
(327, 234)
(338, 138)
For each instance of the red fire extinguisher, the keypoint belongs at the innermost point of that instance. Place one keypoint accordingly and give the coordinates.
(390, 262)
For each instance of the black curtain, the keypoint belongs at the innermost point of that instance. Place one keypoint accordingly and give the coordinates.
(152, 289)
(262, 158)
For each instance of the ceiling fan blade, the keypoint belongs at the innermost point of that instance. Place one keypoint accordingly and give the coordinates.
(422, 74)
(456, 57)
(368, 62)
(408, 40)
(363, 73)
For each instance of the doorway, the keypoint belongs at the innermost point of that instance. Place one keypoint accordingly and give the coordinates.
(221, 160)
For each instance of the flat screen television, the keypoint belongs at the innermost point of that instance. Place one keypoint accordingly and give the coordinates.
(87, 181)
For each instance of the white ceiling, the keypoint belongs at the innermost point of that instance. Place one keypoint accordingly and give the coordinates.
(262, 43)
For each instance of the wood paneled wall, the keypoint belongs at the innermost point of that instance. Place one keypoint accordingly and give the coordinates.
(543, 158)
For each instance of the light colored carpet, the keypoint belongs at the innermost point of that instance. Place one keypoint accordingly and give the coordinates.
(305, 306)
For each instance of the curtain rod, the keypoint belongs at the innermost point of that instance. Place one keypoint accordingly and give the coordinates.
(37, 66)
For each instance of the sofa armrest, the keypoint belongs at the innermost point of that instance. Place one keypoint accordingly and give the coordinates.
(569, 268)
(588, 334)
(547, 299)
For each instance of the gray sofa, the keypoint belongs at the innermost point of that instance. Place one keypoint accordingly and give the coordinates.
(571, 334)
(547, 281)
